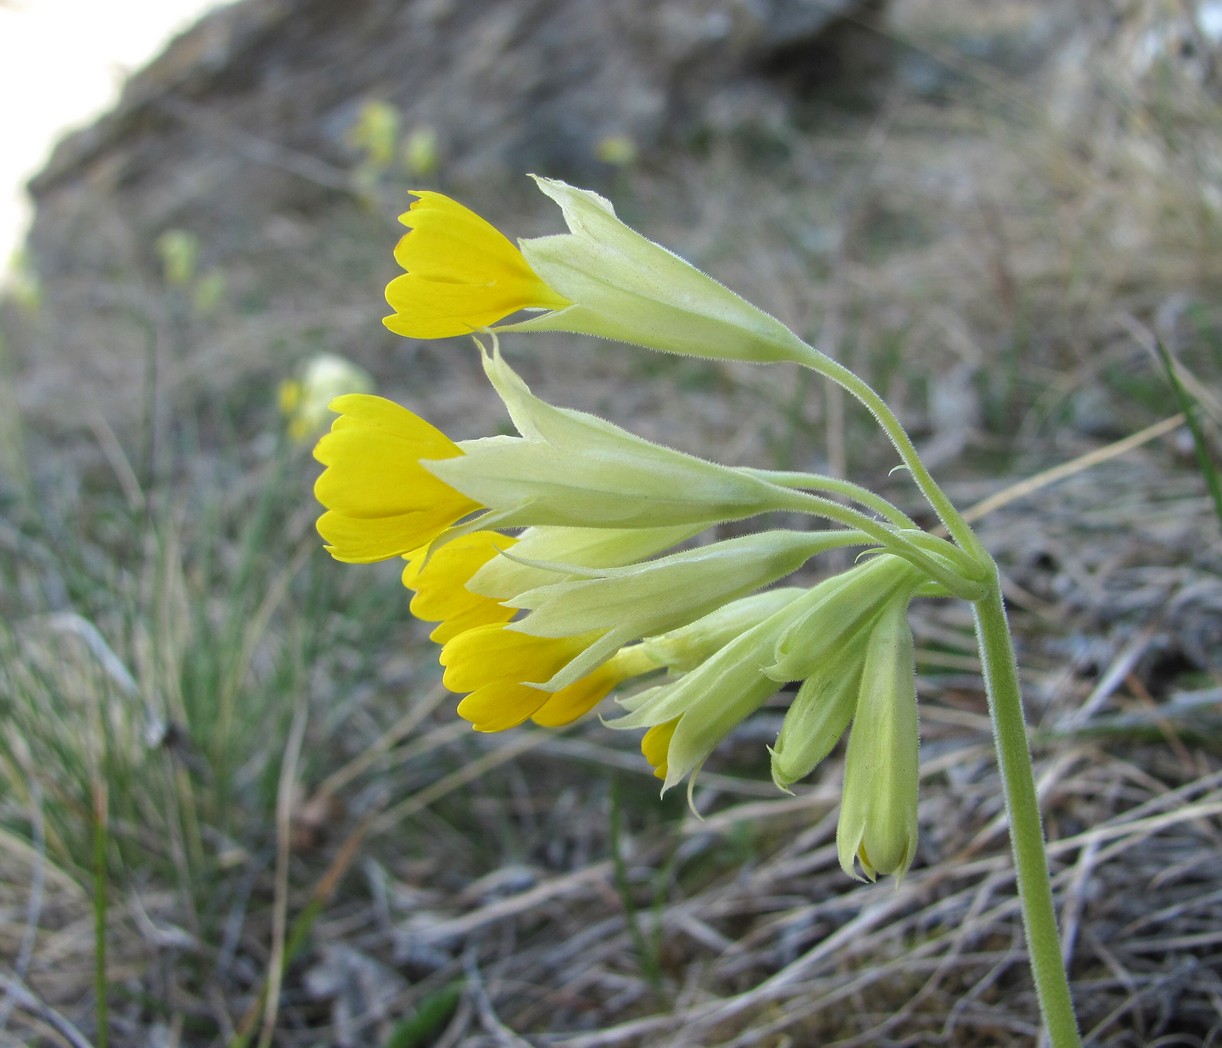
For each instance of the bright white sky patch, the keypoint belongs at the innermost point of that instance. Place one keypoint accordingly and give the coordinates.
(63, 62)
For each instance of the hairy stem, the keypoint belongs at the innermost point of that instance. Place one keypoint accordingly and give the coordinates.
(958, 528)
(835, 486)
(945, 567)
(1026, 831)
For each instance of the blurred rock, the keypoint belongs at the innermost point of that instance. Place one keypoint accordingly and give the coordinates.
(250, 113)
(254, 137)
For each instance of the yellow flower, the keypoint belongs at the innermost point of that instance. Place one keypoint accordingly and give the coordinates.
(441, 580)
(486, 656)
(463, 275)
(394, 483)
(601, 278)
(501, 668)
(381, 501)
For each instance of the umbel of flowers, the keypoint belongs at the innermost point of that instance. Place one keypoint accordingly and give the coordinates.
(574, 560)
(558, 568)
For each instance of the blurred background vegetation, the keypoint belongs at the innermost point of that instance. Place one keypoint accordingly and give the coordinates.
(236, 806)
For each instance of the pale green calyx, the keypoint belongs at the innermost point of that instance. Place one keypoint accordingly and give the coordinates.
(570, 468)
(877, 831)
(547, 554)
(625, 287)
(685, 648)
(841, 608)
(710, 700)
(643, 600)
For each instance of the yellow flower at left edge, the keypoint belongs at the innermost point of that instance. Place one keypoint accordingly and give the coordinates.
(500, 667)
(380, 501)
(463, 275)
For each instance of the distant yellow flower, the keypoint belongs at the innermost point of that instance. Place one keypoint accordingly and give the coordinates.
(305, 402)
(381, 501)
(462, 275)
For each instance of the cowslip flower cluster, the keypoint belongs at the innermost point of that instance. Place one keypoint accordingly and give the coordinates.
(573, 559)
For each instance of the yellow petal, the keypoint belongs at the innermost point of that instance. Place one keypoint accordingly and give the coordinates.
(496, 653)
(366, 411)
(380, 501)
(440, 582)
(576, 700)
(462, 274)
(361, 540)
(501, 705)
(656, 744)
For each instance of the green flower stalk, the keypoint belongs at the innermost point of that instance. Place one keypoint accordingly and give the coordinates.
(605, 586)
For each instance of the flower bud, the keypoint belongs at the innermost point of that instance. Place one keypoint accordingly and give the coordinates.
(816, 719)
(878, 812)
(844, 606)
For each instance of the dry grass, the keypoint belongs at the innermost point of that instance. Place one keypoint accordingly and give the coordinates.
(289, 800)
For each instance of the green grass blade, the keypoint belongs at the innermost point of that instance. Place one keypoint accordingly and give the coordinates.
(1191, 410)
